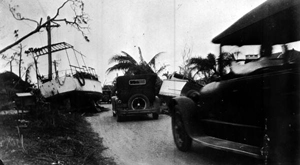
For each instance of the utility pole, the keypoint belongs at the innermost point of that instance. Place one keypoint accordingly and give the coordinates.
(48, 28)
(20, 60)
(10, 65)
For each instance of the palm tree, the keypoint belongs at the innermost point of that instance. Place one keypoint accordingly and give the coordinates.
(208, 66)
(205, 66)
(130, 66)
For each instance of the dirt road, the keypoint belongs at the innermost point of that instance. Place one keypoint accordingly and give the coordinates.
(144, 141)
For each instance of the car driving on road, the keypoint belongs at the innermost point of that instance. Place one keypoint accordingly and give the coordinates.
(135, 95)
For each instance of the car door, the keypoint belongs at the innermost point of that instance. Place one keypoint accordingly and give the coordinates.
(234, 112)
(243, 113)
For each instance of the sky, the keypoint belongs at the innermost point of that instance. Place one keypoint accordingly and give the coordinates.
(170, 26)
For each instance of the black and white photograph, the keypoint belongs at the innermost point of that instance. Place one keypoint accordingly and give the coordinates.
(149, 82)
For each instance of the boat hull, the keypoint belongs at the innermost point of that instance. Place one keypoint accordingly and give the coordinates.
(66, 86)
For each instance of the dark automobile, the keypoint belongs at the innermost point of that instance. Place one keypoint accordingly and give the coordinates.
(106, 93)
(255, 109)
(135, 95)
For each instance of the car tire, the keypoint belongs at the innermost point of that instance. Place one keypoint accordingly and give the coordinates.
(155, 116)
(182, 140)
(138, 102)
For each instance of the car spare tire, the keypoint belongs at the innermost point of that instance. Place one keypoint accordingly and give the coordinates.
(138, 102)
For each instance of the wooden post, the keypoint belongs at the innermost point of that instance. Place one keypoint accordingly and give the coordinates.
(220, 62)
(36, 73)
(48, 28)
(55, 68)
(10, 65)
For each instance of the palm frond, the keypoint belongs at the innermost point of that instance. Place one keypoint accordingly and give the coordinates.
(141, 56)
(152, 61)
(131, 59)
(121, 59)
(125, 53)
(116, 58)
(161, 68)
(119, 66)
(140, 69)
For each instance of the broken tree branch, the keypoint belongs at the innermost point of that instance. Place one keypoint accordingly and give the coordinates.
(40, 25)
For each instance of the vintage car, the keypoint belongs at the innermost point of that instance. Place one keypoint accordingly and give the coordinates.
(256, 110)
(106, 93)
(136, 95)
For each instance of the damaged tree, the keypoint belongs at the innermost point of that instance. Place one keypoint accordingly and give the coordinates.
(79, 21)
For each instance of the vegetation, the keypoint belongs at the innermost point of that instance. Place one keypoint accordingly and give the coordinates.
(184, 69)
(49, 138)
(46, 134)
(10, 84)
(130, 66)
(208, 69)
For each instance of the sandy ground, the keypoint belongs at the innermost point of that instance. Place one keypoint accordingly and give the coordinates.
(144, 141)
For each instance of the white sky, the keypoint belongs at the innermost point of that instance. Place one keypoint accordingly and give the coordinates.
(122, 25)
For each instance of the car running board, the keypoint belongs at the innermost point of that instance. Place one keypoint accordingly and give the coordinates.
(229, 146)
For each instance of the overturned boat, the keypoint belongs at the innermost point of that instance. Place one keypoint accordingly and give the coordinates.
(75, 86)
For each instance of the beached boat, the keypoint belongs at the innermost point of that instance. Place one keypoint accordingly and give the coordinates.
(74, 85)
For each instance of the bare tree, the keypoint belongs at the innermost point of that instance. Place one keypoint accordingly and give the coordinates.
(9, 60)
(79, 21)
(184, 68)
(19, 53)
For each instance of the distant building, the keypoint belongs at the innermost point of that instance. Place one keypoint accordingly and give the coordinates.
(251, 56)
(293, 56)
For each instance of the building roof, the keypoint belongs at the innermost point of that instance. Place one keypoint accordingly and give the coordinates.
(277, 21)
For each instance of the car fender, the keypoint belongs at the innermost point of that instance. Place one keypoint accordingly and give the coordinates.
(187, 109)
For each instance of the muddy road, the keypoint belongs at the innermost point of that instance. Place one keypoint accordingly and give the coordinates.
(144, 141)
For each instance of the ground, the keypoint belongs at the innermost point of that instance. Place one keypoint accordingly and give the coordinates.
(67, 140)
(142, 140)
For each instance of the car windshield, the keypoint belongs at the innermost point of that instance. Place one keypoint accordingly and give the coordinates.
(247, 59)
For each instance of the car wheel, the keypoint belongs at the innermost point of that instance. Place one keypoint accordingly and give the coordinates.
(182, 140)
(138, 102)
(155, 116)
